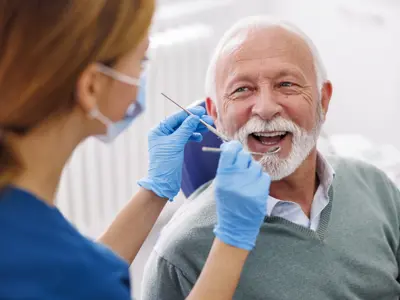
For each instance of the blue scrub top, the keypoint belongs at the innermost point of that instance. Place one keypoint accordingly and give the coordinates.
(42, 256)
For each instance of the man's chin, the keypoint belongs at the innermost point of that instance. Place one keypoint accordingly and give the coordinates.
(277, 168)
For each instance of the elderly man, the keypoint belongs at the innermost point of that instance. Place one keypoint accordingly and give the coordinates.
(332, 225)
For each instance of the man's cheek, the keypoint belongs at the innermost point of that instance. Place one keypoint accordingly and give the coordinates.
(230, 124)
(238, 118)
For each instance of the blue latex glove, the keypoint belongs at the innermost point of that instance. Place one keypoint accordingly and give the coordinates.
(166, 148)
(241, 191)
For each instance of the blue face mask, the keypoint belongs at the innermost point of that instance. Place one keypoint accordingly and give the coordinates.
(133, 111)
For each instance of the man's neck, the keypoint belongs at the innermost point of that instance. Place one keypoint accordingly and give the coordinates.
(300, 186)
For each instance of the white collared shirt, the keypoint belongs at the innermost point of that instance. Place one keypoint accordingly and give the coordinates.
(292, 211)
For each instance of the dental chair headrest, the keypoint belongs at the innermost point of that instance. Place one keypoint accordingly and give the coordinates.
(199, 167)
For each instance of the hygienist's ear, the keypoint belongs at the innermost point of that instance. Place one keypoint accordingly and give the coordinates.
(90, 88)
(326, 95)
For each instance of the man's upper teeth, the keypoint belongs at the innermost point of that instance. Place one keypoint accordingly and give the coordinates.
(269, 134)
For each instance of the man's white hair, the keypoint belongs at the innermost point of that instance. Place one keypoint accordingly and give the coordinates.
(244, 26)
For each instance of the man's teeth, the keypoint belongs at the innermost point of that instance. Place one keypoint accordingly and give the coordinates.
(270, 134)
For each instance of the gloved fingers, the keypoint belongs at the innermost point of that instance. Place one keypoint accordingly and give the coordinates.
(196, 137)
(197, 110)
(243, 160)
(229, 153)
(178, 118)
(188, 127)
(170, 124)
(259, 173)
(256, 168)
(208, 120)
(266, 177)
(164, 129)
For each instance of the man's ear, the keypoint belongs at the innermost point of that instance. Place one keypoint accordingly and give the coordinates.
(326, 95)
(211, 108)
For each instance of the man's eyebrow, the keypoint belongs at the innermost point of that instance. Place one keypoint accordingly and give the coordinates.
(233, 79)
(291, 72)
(240, 77)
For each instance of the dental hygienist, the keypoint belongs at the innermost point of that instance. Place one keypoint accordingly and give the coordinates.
(70, 70)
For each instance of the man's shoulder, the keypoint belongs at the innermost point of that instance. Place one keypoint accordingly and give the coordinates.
(350, 166)
(191, 228)
(355, 174)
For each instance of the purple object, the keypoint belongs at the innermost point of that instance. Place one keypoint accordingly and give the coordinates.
(199, 167)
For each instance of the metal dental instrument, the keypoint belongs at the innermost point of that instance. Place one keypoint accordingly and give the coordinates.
(212, 129)
(273, 150)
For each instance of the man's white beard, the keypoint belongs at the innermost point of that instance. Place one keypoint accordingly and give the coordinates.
(302, 143)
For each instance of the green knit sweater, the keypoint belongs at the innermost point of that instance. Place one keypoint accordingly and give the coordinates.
(354, 254)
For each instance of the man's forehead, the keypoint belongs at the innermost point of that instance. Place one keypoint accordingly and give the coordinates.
(268, 44)
(264, 68)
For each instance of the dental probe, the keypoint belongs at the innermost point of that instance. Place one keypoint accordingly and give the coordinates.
(273, 150)
(212, 129)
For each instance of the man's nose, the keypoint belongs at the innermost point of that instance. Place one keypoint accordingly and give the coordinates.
(266, 105)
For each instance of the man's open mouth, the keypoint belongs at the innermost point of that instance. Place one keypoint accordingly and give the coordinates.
(263, 141)
(269, 138)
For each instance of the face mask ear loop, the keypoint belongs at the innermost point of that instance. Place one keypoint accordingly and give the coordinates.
(96, 114)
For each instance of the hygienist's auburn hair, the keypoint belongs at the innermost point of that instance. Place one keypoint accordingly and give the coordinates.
(44, 47)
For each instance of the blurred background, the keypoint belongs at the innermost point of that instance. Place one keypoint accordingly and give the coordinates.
(358, 41)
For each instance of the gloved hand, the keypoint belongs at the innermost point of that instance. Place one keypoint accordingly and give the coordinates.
(166, 148)
(241, 191)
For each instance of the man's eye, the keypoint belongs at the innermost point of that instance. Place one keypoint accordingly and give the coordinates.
(286, 84)
(241, 90)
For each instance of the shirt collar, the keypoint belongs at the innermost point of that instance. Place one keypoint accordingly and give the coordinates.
(325, 173)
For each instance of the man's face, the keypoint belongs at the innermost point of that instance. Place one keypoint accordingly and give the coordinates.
(268, 96)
